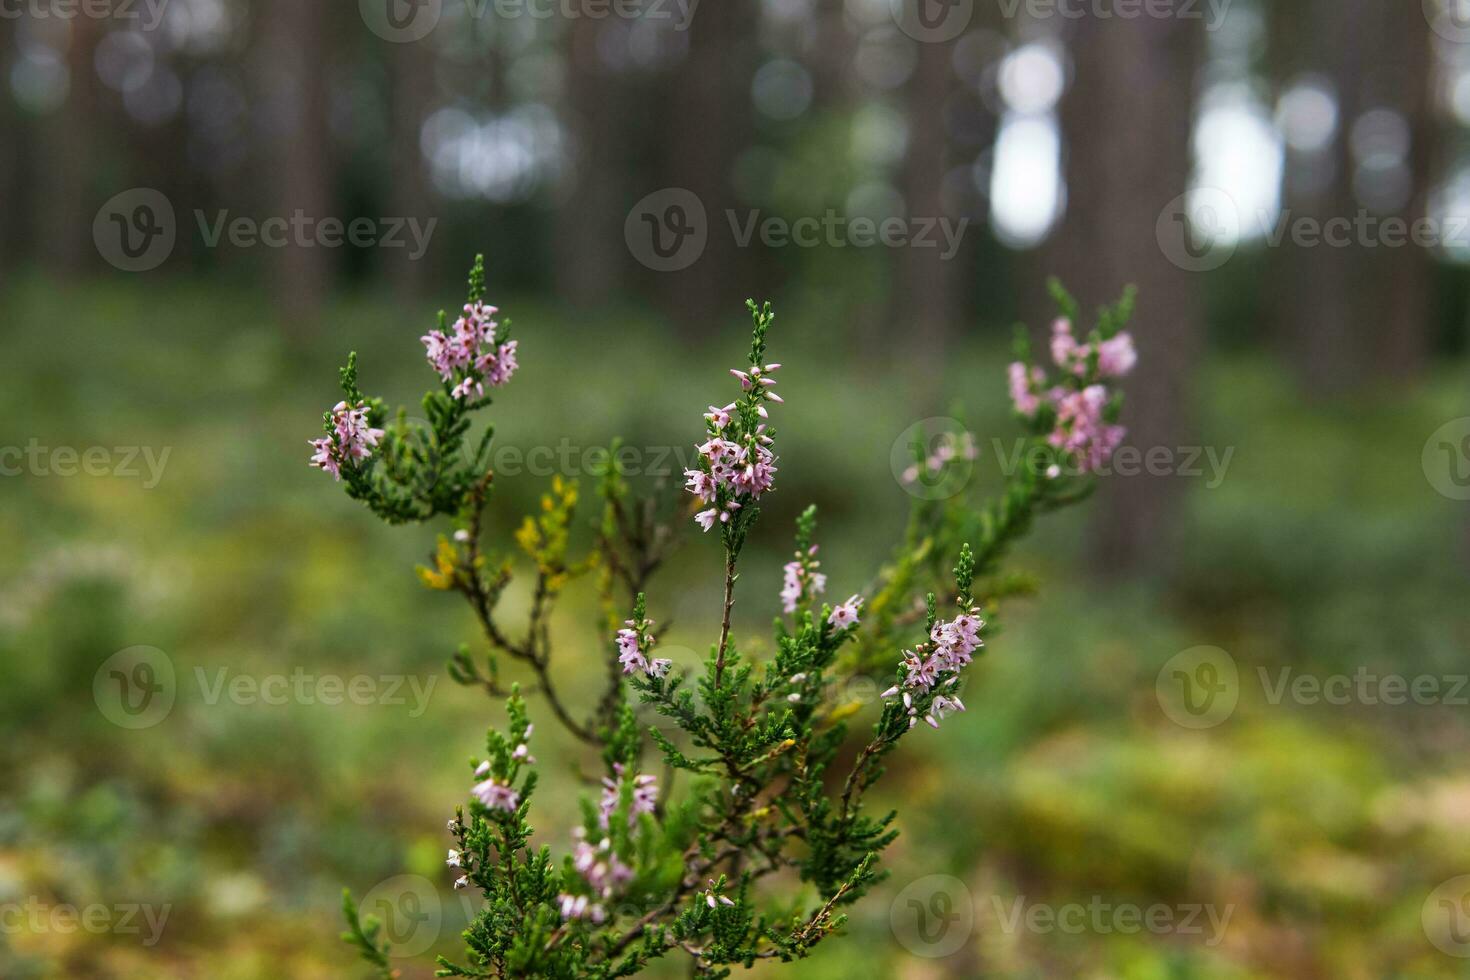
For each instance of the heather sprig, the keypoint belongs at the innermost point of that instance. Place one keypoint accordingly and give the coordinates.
(701, 838)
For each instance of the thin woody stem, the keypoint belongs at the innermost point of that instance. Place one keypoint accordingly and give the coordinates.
(725, 622)
(472, 585)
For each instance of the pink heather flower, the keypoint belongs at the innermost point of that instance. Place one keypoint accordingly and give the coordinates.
(846, 615)
(645, 796)
(599, 866)
(1064, 349)
(498, 369)
(720, 417)
(352, 439)
(706, 518)
(580, 907)
(629, 655)
(737, 465)
(1116, 357)
(1024, 386)
(325, 458)
(1081, 430)
(701, 484)
(497, 796)
(467, 354)
(801, 580)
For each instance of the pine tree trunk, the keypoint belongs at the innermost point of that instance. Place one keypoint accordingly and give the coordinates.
(591, 257)
(927, 284)
(1126, 122)
(298, 170)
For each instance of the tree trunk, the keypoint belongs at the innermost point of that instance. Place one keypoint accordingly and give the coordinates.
(298, 172)
(411, 67)
(1126, 121)
(927, 284)
(591, 256)
(69, 141)
(1403, 321)
(708, 124)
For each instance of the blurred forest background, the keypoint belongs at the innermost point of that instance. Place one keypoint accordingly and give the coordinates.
(1332, 543)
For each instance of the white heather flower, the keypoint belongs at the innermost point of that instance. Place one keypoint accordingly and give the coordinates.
(454, 859)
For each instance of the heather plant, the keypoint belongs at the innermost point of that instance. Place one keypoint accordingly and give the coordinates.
(755, 835)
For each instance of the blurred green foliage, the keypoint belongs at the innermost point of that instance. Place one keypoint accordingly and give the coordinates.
(1322, 828)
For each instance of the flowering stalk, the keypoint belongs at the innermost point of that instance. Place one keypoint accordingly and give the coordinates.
(766, 815)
